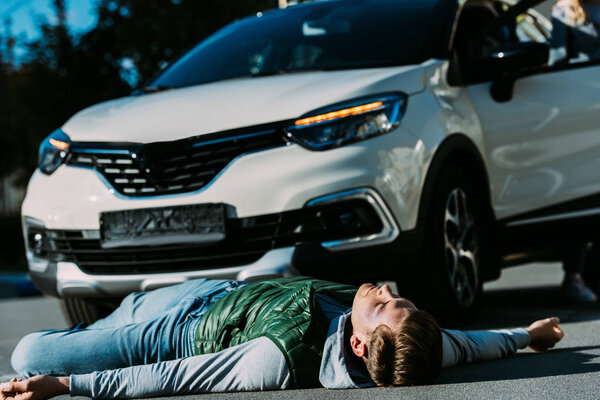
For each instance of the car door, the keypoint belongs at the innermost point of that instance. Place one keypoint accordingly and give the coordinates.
(542, 141)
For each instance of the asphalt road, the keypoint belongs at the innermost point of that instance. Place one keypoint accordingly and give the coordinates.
(524, 294)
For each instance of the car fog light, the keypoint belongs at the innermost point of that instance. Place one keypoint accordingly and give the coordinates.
(344, 220)
(351, 218)
(38, 244)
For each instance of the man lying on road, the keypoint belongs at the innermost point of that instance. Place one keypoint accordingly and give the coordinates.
(218, 336)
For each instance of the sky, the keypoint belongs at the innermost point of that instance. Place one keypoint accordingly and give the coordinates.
(23, 13)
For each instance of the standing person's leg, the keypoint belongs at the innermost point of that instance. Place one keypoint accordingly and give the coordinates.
(591, 270)
(574, 263)
(166, 337)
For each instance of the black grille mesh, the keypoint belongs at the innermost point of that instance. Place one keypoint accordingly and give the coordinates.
(171, 167)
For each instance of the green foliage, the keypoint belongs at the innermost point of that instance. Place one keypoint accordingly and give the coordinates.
(61, 73)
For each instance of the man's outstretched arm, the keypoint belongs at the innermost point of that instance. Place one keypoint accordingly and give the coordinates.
(460, 347)
(256, 365)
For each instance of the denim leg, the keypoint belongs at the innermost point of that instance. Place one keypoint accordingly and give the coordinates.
(65, 352)
(144, 306)
(164, 337)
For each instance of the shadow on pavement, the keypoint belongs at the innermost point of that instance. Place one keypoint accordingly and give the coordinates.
(566, 361)
(541, 296)
(520, 307)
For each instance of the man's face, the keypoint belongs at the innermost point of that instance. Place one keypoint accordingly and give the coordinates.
(373, 306)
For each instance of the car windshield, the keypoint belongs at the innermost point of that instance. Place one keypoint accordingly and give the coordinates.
(327, 35)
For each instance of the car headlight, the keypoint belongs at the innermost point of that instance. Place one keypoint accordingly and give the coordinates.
(347, 122)
(53, 151)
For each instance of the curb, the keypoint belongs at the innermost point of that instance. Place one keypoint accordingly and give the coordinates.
(16, 285)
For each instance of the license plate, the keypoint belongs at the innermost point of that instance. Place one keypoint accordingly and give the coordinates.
(188, 224)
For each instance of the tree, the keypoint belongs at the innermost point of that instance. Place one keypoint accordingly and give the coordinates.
(62, 73)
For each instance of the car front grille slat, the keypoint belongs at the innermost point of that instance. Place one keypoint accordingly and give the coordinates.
(171, 167)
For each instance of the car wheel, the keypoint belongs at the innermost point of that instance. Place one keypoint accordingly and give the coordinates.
(77, 310)
(456, 235)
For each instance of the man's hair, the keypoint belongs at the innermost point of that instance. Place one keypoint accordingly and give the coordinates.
(410, 355)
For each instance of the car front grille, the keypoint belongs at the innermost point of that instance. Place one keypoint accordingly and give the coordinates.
(247, 239)
(137, 170)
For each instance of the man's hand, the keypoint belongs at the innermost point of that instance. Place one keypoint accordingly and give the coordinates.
(544, 333)
(37, 388)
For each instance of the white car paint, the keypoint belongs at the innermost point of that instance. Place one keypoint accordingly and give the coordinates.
(542, 148)
(229, 104)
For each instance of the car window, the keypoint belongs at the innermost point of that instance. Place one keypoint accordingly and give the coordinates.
(480, 41)
(470, 46)
(575, 32)
(475, 42)
(571, 40)
(532, 26)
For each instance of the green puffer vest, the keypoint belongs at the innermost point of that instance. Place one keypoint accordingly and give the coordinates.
(286, 311)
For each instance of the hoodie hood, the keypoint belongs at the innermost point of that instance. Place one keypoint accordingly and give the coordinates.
(236, 103)
(339, 370)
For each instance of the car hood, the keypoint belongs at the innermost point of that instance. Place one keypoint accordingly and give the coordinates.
(218, 106)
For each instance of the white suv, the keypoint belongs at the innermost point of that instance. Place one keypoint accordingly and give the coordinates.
(345, 139)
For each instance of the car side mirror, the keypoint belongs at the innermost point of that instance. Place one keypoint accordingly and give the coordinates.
(508, 62)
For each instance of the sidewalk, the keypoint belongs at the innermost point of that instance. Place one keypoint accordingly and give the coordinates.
(16, 285)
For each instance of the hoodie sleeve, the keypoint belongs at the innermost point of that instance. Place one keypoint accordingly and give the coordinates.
(255, 365)
(461, 347)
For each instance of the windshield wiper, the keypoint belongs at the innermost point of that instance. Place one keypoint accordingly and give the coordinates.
(152, 89)
(283, 72)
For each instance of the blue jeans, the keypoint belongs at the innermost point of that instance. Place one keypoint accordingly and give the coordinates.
(146, 328)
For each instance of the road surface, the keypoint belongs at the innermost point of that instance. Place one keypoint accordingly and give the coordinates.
(521, 296)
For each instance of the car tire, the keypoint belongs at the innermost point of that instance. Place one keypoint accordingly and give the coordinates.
(82, 311)
(457, 236)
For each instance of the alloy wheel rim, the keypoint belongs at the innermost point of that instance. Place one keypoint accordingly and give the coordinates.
(461, 247)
